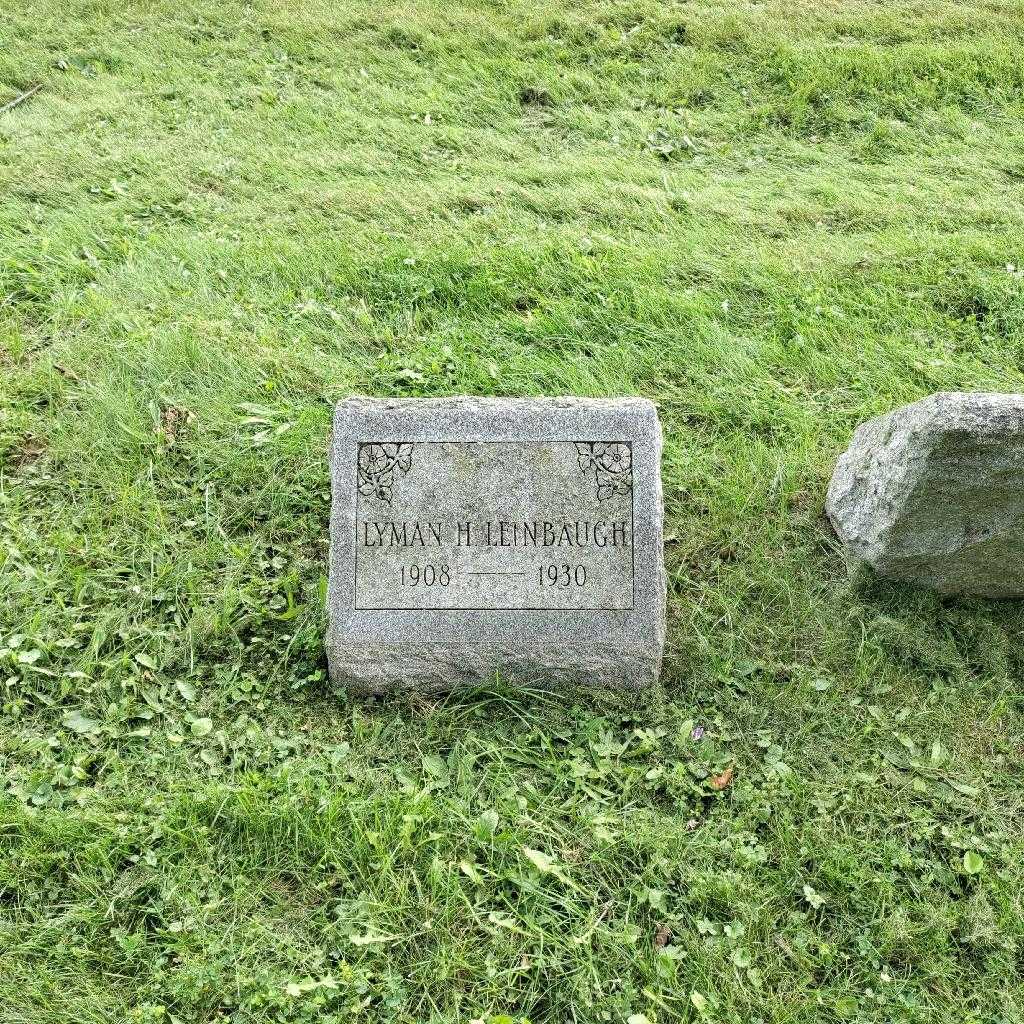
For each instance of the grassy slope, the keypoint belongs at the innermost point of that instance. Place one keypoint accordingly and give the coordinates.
(775, 219)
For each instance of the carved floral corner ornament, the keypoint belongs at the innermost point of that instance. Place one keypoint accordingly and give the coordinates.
(612, 463)
(379, 463)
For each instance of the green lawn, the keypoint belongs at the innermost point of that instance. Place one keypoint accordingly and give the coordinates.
(775, 219)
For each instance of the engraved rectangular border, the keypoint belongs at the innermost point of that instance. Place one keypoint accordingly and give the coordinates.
(514, 608)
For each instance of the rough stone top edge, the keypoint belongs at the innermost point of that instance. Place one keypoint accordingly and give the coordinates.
(958, 399)
(946, 405)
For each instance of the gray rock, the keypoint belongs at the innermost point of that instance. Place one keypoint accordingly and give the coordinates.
(475, 537)
(933, 493)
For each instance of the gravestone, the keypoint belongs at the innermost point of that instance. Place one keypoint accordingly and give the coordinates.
(478, 537)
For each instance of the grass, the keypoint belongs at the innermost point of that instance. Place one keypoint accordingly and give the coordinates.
(220, 218)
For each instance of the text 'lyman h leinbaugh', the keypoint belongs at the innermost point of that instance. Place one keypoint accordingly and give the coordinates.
(537, 533)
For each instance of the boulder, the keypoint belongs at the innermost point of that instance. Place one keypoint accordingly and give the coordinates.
(933, 494)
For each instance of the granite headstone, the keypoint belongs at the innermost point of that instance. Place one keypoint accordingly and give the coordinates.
(473, 538)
